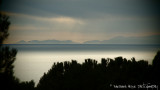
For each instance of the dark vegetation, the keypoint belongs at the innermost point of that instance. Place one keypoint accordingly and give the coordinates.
(91, 75)
(7, 57)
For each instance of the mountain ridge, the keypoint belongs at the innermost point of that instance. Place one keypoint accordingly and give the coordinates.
(116, 40)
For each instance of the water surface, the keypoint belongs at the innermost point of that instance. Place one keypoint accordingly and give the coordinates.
(33, 60)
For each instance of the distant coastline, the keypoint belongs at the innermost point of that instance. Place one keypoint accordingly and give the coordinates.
(116, 40)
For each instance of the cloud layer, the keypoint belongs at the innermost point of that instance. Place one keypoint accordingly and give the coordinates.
(81, 20)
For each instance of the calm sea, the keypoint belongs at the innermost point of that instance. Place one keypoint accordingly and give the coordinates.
(33, 60)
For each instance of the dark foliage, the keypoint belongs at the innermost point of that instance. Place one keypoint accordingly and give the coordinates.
(7, 80)
(7, 57)
(4, 26)
(156, 68)
(91, 75)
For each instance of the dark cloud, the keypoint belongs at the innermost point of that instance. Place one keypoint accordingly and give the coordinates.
(83, 8)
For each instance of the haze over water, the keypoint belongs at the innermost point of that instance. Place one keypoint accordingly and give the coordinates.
(33, 60)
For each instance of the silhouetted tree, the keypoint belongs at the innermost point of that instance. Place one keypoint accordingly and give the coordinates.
(91, 75)
(7, 57)
(156, 68)
(4, 26)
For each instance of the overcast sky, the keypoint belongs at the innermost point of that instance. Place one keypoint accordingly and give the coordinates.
(81, 20)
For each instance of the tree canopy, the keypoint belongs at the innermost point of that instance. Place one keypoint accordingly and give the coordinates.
(91, 75)
(7, 57)
(4, 26)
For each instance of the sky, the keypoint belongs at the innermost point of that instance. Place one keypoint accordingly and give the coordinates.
(81, 20)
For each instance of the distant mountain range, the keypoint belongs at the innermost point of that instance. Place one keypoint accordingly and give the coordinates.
(128, 40)
(115, 40)
(46, 42)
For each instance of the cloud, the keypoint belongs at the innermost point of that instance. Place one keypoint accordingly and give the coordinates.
(66, 20)
(26, 27)
(80, 30)
(81, 20)
(83, 8)
(43, 24)
(104, 24)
